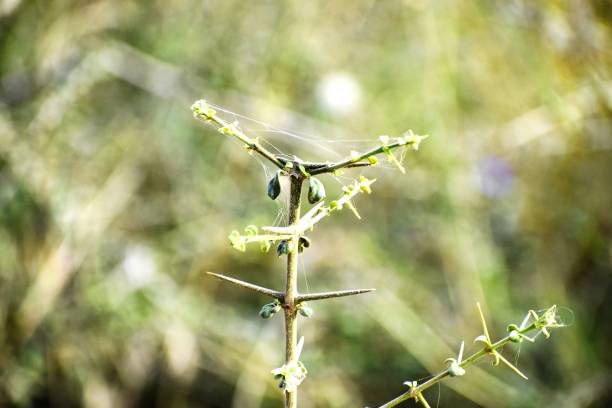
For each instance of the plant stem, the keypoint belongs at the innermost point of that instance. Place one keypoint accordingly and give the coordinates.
(291, 291)
(252, 144)
(352, 161)
(416, 391)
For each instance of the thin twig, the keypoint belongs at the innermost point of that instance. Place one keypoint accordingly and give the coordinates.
(206, 114)
(356, 161)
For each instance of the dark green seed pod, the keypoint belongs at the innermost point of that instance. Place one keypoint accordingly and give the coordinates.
(316, 190)
(284, 247)
(274, 187)
(269, 309)
(265, 313)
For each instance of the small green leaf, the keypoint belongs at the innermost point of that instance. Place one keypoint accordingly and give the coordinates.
(264, 246)
(251, 230)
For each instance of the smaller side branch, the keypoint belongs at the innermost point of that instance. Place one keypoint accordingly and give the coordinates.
(330, 295)
(356, 160)
(548, 320)
(202, 111)
(256, 288)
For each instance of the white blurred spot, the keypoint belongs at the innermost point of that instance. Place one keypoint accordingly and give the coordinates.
(98, 395)
(8, 6)
(339, 93)
(181, 351)
(139, 266)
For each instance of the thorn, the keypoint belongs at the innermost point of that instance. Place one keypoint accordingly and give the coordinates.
(256, 288)
(329, 295)
(422, 400)
(509, 364)
(484, 324)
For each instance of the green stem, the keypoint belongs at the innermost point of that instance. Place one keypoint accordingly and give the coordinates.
(418, 390)
(352, 161)
(291, 290)
(251, 144)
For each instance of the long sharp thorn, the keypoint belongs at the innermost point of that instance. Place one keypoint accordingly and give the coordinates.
(484, 323)
(509, 364)
(256, 288)
(330, 295)
(422, 400)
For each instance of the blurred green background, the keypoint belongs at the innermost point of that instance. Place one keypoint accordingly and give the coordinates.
(114, 202)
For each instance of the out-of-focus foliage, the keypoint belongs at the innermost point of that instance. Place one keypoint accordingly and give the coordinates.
(114, 202)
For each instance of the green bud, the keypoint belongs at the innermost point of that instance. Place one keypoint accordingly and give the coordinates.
(264, 246)
(365, 188)
(316, 190)
(515, 337)
(455, 370)
(274, 187)
(305, 310)
(334, 205)
(237, 241)
(372, 159)
(251, 230)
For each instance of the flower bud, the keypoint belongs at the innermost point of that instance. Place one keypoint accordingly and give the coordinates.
(455, 370)
(251, 230)
(305, 310)
(264, 246)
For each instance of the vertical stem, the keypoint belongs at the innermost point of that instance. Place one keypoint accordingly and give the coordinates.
(291, 291)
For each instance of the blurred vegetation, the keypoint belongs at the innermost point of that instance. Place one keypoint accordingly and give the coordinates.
(114, 201)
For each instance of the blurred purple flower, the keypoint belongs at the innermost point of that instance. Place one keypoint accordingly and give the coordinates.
(495, 176)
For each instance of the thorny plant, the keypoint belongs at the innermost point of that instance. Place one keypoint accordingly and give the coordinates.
(291, 240)
(457, 366)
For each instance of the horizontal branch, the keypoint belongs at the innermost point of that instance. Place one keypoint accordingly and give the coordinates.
(256, 288)
(357, 159)
(330, 295)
